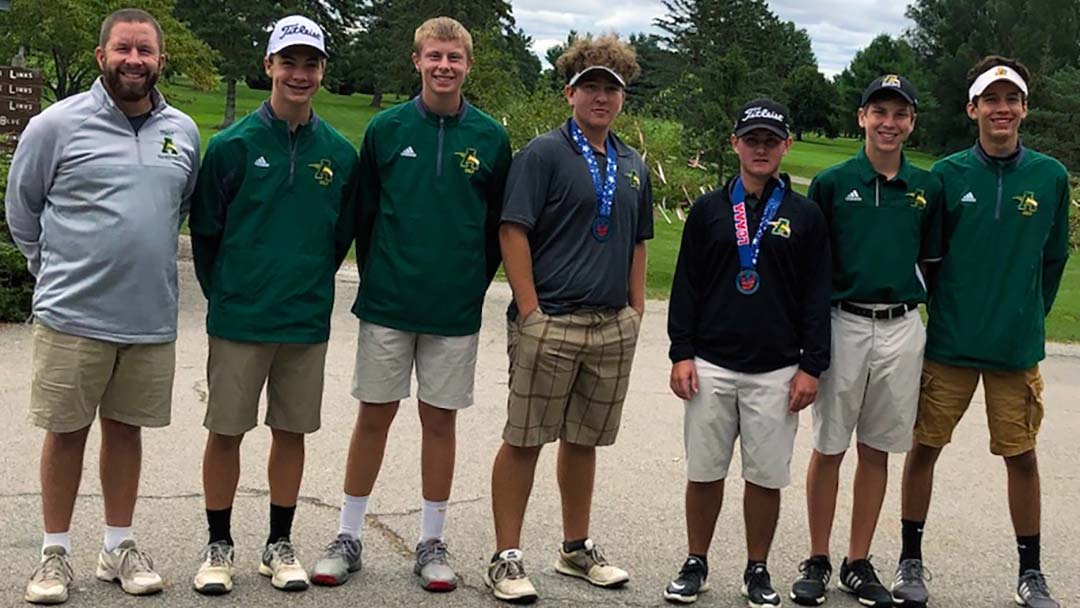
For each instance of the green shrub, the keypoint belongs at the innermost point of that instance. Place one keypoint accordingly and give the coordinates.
(1074, 215)
(16, 283)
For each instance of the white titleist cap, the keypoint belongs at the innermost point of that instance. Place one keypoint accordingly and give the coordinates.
(293, 30)
(994, 74)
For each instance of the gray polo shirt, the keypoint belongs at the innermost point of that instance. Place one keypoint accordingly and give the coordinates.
(550, 192)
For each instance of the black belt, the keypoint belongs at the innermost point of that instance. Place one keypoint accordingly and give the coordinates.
(885, 313)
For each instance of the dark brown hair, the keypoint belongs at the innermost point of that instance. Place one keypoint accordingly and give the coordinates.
(130, 15)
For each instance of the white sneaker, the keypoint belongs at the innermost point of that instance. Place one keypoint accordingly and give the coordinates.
(130, 567)
(507, 579)
(590, 564)
(215, 574)
(280, 564)
(50, 580)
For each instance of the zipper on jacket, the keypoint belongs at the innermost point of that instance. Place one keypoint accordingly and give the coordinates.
(438, 156)
(997, 208)
(877, 191)
(292, 157)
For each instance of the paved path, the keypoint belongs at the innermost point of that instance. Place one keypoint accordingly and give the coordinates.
(637, 517)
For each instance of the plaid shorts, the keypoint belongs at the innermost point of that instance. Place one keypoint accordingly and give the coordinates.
(569, 375)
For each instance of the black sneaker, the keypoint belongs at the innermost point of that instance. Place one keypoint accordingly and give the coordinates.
(1031, 590)
(757, 588)
(809, 589)
(860, 579)
(909, 588)
(692, 580)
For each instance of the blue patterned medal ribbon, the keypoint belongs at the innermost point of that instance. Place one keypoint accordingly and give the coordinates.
(604, 186)
(748, 280)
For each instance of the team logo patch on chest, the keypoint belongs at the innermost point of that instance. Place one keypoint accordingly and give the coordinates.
(917, 199)
(635, 181)
(781, 227)
(169, 149)
(324, 174)
(470, 162)
(1027, 205)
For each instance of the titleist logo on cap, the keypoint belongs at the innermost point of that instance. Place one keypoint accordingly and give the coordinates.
(299, 29)
(762, 113)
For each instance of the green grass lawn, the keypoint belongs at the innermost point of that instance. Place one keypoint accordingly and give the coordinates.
(351, 114)
(348, 114)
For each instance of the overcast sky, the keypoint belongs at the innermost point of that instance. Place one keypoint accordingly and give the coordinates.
(837, 28)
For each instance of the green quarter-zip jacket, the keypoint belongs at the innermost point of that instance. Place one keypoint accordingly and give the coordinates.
(428, 218)
(879, 229)
(1006, 243)
(271, 221)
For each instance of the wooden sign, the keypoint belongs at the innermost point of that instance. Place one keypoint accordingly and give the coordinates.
(20, 100)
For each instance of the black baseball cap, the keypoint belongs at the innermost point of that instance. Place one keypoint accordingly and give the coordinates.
(766, 114)
(893, 83)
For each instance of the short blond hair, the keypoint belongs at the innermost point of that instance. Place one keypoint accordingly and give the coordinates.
(446, 29)
(607, 50)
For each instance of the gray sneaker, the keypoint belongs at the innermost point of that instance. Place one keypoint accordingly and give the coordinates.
(1031, 590)
(51, 578)
(432, 567)
(909, 587)
(338, 562)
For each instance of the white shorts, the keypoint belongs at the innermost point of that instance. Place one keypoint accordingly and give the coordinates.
(872, 383)
(752, 407)
(445, 366)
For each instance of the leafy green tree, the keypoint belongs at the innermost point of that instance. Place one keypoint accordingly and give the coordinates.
(1053, 125)
(660, 69)
(60, 36)
(812, 100)
(884, 55)
(16, 282)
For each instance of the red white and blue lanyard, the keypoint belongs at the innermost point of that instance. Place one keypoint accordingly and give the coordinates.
(748, 280)
(604, 186)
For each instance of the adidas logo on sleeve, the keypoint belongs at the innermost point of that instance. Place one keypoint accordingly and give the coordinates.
(853, 197)
(408, 152)
(261, 162)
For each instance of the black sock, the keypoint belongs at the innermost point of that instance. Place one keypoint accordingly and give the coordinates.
(911, 533)
(704, 559)
(569, 546)
(280, 522)
(1028, 547)
(220, 522)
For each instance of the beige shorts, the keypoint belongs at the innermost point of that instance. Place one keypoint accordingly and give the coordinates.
(237, 371)
(752, 408)
(445, 367)
(569, 375)
(1014, 405)
(872, 384)
(75, 377)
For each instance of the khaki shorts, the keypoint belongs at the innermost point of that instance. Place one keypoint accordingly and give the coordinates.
(1014, 405)
(237, 371)
(752, 408)
(445, 367)
(569, 375)
(75, 377)
(872, 384)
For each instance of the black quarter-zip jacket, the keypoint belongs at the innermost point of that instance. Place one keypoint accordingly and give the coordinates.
(786, 321)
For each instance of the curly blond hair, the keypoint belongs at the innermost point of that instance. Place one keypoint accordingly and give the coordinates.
(607, 50)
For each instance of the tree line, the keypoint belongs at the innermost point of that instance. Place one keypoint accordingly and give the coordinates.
(709, 57)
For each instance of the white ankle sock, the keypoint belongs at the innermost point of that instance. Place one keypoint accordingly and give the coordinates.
(351, 521)
(114, 535)
(63, 539)
(432, 519)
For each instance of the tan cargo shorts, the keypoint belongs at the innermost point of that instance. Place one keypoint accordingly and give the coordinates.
(76, 378)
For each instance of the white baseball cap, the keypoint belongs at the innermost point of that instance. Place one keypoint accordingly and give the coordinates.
(994, 74)
(294, 30)
(593, 68)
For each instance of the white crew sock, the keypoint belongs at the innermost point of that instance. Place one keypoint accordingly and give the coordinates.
(432, 519)
(56, 538)
(114, 535)
(351, 521)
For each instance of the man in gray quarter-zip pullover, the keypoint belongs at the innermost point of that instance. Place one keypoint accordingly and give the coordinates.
(96, 194)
